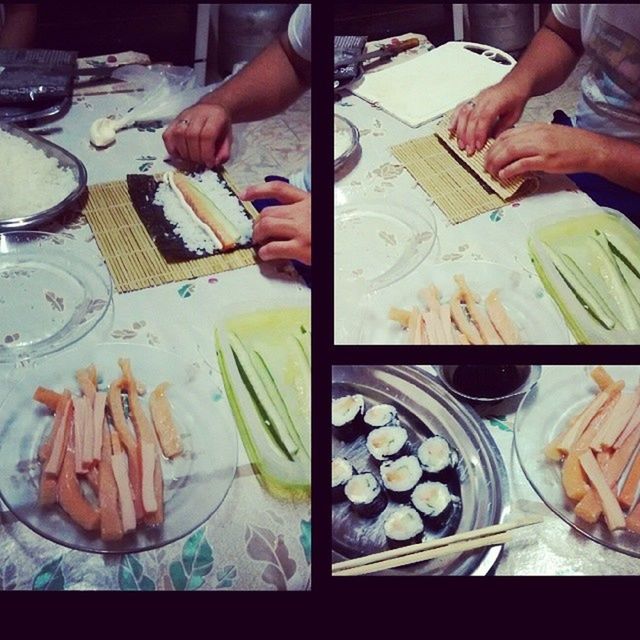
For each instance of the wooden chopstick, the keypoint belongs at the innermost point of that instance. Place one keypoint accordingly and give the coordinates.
(429, 554)
(481, 537)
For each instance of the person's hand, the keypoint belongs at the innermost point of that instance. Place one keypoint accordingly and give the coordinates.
(492, 111)
(552, 148)
(200, 134)
(284, 230)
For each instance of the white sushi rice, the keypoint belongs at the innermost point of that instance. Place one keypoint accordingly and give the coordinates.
(341, 472)
(403, 524)
(196, 235)
(386, 441)
(362, 489)
(401, 474)
(431, 498)
(30, 181)
(213, 186)
(435, 454)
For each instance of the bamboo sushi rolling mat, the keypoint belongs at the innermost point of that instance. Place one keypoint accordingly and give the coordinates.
(131, 255)
(458, 183)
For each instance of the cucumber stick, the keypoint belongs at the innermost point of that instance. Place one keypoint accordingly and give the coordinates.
(609, 272)
(269, 414)
(271, 387)
(581, 289)
(630, 279)
(623, 252)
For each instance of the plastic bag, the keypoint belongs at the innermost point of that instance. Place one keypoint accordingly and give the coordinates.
(167, 91)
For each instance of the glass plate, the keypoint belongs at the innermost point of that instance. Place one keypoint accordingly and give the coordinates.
(424, 407)
(53, 292)
(529, 306)
(561, 392)
(196, 482)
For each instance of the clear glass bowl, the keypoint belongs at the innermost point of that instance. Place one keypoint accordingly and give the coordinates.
(343, 126)
(53, 292)
(196, 482)
(561, 393)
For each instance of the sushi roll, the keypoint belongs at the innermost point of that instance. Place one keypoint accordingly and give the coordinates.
(365, 494)
(387, 443)
(341, 472)
(434, 502)
(381, 415)
(400, 477)
(347, 417)
(404, 526)
(438, 459)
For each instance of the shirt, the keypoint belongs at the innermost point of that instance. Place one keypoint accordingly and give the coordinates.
(610, 90)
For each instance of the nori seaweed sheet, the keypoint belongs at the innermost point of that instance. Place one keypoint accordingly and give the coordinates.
(142, 190)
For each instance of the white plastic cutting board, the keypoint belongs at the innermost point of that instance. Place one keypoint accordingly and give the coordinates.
(429, 85)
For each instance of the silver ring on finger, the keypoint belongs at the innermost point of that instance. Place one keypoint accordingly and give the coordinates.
(471, 104)
(184, 123)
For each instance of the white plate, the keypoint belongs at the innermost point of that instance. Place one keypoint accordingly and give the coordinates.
(521, 293)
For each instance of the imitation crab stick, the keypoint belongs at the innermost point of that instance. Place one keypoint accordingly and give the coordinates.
(162, 418)
(629, 429)
(157, 517)
(44, 452)
(587, 415)
(414, 327)
(431, 296)
(584, 441)
(47, 397)
(60, 438)
(616, 421)
(462, 322)
(601, 377)
(99, 404)
(430, 331)
(110, 522)
(79, 420)
(401, 316)
(70, 494)
(146, 438)
(590, 507)
(87, 382)
(627, 495)
(488, 333)
(500, 319)
(121, 473)
(445, 323)
(574, 479)
(612, 511)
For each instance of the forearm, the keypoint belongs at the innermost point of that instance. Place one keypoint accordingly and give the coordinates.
(264, 87)
(548, 61)
(616, 160)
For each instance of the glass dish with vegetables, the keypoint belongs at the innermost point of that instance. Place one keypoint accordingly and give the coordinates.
(590, 264)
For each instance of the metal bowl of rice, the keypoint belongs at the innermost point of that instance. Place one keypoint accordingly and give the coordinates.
(39, 182)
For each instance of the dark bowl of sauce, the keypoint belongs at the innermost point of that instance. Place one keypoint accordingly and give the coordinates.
(490, 388)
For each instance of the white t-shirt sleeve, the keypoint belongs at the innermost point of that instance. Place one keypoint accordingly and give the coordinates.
(567, 14)
(299, 31)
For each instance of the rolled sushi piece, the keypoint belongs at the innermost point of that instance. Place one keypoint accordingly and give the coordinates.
(365, 494)
(387, 443)
(341, 472)
(347, 417)
(404, 526)
(381, 415)
(400, 477)
(438, 459)
(434, 502)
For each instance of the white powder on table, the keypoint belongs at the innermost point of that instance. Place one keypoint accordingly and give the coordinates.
(30, 181)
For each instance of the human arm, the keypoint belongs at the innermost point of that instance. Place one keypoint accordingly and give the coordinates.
(559, 149)
(264, 87)
(544, 66)
(284, 230)
(19, 29)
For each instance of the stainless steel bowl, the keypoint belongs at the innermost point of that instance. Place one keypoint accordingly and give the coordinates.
(66, 160)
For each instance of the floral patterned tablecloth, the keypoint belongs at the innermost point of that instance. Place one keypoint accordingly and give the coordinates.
(253, 541)
(498, 236)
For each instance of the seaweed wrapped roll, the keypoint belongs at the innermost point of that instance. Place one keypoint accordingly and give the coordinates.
(438, 458)
(434, 502)
(400, 477)
(387, 443)
(404, 526)
(341, 472)
(381, 415)
(365, 494)
(347, 417)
